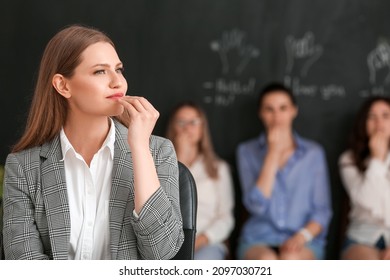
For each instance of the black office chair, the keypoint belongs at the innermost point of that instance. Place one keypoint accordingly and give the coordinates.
(188, 207)
(1, 231)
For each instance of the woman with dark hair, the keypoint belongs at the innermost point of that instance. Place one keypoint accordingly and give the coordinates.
(188, 130)
(87, 180)
(285, 186)
(365, 172)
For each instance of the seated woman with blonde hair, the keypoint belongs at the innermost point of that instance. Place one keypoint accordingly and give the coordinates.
(188, 130)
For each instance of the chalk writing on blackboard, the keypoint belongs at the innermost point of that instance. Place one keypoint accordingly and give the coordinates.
(304, 50)
(374, 91)
(302, 54)
(226, 90)
(235, 55)
(325, 92)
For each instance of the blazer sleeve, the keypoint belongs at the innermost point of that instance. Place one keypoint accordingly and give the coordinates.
(159, 227)
(21, 237)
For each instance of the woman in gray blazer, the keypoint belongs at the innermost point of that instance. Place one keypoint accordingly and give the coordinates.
(87, 180)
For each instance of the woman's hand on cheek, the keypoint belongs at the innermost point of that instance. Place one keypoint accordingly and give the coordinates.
(379, 145)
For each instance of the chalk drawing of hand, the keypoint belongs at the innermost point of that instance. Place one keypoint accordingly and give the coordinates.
(246, 53)
(233, 41)
(303, 48)
(379, 59)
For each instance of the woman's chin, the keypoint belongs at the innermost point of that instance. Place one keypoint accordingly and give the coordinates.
(118, 110)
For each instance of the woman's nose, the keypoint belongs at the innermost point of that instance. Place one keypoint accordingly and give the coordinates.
(116, 80)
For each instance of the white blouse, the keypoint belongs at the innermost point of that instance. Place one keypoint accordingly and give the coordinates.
(369, 194)
(88, 194)
(215, 201)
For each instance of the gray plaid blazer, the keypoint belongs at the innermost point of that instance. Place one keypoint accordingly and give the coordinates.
(36, 209)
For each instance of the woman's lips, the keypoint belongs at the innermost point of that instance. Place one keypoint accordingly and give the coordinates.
(115, 96)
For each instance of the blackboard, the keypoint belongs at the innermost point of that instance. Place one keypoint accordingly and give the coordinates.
(219, 53)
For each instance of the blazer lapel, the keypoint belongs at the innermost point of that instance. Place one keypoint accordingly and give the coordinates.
(55, 198)
(121, 186)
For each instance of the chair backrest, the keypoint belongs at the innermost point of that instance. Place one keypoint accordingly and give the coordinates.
(188, 207)
(1, 230)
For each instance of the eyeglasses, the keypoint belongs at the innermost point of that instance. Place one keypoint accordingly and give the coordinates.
(183, 123)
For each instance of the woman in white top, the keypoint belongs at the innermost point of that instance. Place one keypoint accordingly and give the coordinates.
(366, 176)
(188, 130)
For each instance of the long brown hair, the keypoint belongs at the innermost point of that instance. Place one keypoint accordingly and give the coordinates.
(358, 141)
(205, 145)
(48, 109)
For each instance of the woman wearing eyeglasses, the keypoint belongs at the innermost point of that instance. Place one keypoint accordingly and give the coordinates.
(188, 130)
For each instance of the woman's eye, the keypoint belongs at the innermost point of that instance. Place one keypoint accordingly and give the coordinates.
(120, 70)
(99, 72)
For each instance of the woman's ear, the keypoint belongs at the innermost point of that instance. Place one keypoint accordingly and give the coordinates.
(296, 112)
(60, 85)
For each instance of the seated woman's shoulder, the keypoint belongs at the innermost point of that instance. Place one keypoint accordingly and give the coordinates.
(27, 155)
(247, 144)
(222, 164)
(312, 145)
(346, 158)
(157, 141)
